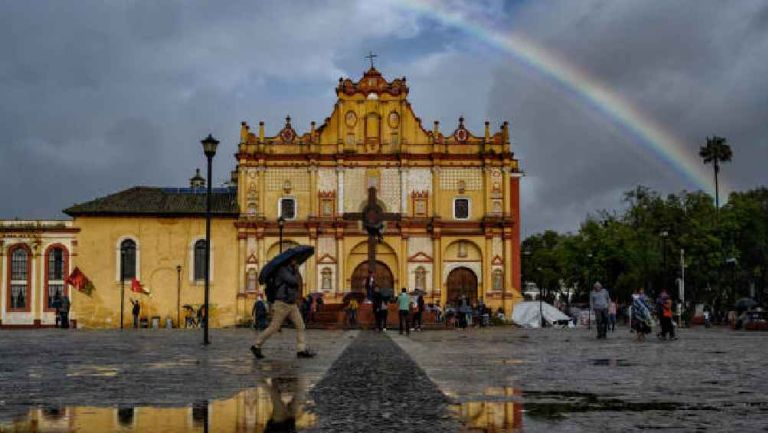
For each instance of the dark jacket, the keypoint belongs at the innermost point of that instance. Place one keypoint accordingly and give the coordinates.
(420, 304)
(377, 300)
(64, 307)
(287, 280)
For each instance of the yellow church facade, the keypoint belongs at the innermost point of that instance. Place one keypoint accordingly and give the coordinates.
(451, 199)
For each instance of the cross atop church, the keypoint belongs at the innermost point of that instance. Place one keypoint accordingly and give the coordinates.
(373, 217)
(370, 57)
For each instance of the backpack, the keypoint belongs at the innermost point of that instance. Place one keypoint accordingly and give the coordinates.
(271, 290)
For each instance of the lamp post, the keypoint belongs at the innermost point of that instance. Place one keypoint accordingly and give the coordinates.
(589, 287)
(122, 284)
(280, 224)
(541, 295)
(209, 148)
(178, 296)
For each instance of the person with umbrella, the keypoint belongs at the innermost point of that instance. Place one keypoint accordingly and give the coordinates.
(282, 277)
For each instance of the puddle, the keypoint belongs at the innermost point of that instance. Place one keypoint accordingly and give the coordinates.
(279, 405)
(500, 411)
(556, 405)
(611, 362)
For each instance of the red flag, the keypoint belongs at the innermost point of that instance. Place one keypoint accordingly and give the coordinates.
(78, 280)
(137, 287)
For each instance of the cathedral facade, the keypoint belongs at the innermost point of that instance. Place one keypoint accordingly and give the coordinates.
(450, 202)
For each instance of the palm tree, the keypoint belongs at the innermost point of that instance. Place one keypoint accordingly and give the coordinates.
(716, 151)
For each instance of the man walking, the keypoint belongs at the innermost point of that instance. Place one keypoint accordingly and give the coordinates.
(287, 283)
(404, 309)
(600, 301)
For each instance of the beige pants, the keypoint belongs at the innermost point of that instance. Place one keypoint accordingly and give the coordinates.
(280, 312)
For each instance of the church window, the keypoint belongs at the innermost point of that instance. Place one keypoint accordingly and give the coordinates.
(56, 275)
(251, 281)
(498, 280)
(19, 278)
(461, 208)
(327, 278)
(199, 260)
(288, 208)
(421, 278)
(127, 259)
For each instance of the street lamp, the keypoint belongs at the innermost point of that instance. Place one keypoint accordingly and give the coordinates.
(122, 284)
(280, 224)
(541, 290)
(589, 287)
(209, 148)
(178, 296)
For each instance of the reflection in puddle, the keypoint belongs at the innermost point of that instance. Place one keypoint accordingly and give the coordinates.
(277, 406)
(500, 412)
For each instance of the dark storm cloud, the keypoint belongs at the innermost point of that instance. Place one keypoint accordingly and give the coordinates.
(697, 68)
(100, 96)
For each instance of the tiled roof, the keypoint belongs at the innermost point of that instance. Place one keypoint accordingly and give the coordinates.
(143, 200)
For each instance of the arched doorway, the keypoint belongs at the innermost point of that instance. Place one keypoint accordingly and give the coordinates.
(383, 277)
(461, 282)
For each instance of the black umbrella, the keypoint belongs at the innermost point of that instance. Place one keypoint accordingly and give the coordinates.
(300, 253)
(744, 304)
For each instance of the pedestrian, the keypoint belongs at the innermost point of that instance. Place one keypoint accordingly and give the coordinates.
(284, 307)
(306, 307)
(665, 320)
(419, 311)
(352, 308)
(259, 313)
(202, 316)
(379, 309)
(64, 312)
(641, 321)
(136, 310)
(612, 315)
(56, 305)
(404, 310)
(599, 299)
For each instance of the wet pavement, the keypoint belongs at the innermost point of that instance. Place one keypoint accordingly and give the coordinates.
(481, 380)
(514, 380)
(100, 381)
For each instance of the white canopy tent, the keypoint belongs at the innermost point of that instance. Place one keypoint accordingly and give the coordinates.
(526, 314)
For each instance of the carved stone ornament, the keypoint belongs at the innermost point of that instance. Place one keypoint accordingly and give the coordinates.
(350, 119)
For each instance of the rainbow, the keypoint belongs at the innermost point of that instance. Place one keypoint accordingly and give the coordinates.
(680, 156)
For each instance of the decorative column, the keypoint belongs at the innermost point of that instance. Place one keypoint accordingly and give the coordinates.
(437, 267)
(435, 191)
(403, 190)
(242, 258)
(340, 261)
(312, 262)
(313, 191)
(505, 173)
(340, 190)
(261, 179)
(487, 260)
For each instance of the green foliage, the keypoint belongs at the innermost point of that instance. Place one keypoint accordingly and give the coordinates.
(640, 247)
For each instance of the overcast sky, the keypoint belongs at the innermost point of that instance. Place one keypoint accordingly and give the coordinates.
(99, 96)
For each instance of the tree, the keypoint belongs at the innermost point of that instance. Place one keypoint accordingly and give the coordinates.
(716, 151)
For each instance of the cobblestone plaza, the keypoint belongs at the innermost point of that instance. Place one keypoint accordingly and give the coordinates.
(494, 380)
